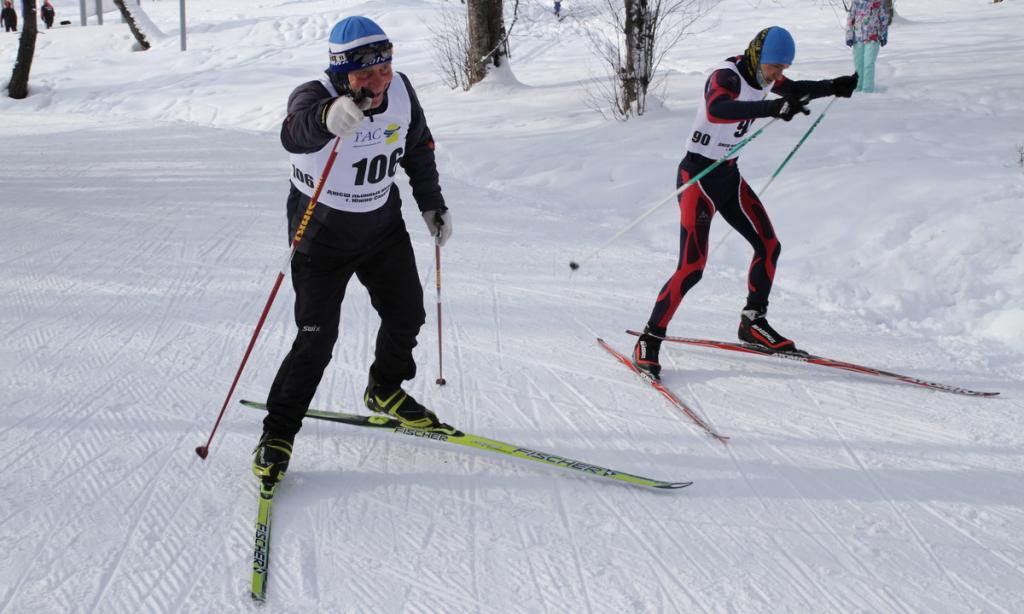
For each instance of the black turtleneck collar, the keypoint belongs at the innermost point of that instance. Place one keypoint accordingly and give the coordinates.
(743, 64)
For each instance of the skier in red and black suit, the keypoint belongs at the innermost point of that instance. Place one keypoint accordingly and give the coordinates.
(734, 96)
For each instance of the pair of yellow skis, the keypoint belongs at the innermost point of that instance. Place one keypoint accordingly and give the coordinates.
(261, 552)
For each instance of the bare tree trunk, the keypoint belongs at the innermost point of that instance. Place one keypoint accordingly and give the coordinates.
(629, 77)
(645, 31)
(486, 37)
(18, 88)
(640, 33)
(651, 28)
(132, 24)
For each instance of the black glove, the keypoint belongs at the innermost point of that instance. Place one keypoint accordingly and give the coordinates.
(787, 108)
(844, 86)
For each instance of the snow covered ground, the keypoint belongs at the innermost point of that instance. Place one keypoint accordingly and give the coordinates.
(142, 224)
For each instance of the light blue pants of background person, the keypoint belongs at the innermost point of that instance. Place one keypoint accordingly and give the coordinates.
(864, 56)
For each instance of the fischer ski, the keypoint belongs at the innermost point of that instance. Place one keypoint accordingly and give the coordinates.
(665, 392)
(800, 356)
(261, 552)
(481, 443)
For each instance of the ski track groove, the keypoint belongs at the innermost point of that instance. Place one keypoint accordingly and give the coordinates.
(563, 514)
(981, 596)
(169, 307)
(503, 407)
(895, 603)
(496, 317)
(697, 406)
(921, 543)
(26, 570)
(146, 495)
(443, 592)
(538, 589)
(37, 251)
(670, 536)
(311, 557)
(86, 464)
(828, 529)
(51, 424)
(20, 423)
(456, 334)
(554, 410)
(576, 557)
(930, 510)
(739, 470)
(712, 444)
(595, 413)
(75, 451)
(534, 361)
(795, 562)
(994, 552)
(655, 558)
(803, 579)
(474, 537)
(181, 593)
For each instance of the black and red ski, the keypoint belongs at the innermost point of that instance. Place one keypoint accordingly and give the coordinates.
(665, 392)
(800, 356)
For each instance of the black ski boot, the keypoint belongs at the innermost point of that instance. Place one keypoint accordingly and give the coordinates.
(645, 352)
(754, 329)
(397, 403)
(271, 456)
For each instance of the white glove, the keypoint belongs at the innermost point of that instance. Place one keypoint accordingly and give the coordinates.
(343, 116)
(439, 224)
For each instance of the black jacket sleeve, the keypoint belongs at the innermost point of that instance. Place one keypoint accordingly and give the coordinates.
(303, 130)
(799, 89)
(418, 160)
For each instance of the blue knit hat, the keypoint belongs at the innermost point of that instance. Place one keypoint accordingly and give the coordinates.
(356, 43)
(778, 47)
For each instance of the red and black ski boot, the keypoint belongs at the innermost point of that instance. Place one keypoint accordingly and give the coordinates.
(645, 352)
(754, 329)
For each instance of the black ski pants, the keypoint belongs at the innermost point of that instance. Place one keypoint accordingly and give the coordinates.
(388, 271)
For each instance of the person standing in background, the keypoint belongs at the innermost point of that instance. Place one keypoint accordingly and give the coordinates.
(8, 17)
(48, 14)
(867, 31)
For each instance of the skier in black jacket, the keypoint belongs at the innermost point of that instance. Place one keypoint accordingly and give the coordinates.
(356, 229)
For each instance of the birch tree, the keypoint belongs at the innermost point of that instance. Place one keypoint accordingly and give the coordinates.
(642, 32)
